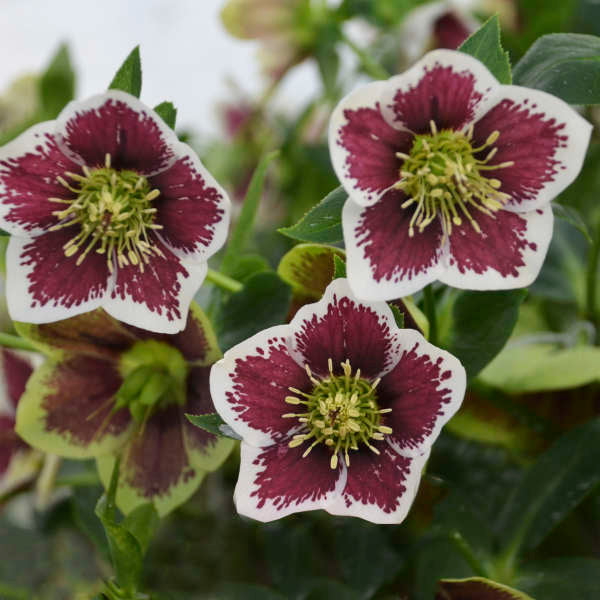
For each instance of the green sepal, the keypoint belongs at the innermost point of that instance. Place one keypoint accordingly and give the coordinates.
(129, 76)
(486, 47)
(213, 423)
(31, 419)
(477, 587)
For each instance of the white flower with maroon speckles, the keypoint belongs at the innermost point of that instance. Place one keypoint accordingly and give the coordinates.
(337, 410)
(450, 177)
(108, 208)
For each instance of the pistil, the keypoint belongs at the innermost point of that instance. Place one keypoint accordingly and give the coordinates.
(443, 179)
(340, 412)
(113, 214)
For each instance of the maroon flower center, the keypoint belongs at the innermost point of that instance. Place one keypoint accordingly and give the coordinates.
(341, 412)
(112, 213)
(443, 178)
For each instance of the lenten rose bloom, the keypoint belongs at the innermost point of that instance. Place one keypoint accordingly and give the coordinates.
(107, 208)
(450, 177)
(108, 387)
(18, 462)
(337, 410)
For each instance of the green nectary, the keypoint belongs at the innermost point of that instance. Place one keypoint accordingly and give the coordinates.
(341, 412)
(154, 375)
(113, 213)
(443, 177)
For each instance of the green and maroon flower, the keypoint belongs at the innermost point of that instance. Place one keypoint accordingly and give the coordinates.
(18, 462)
(109, 388)
(337, 410)
(107, 208)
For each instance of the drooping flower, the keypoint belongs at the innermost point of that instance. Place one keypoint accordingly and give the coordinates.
(18, 462)
(107, 209)
(108, 387)
(337, 410)
(450, 177)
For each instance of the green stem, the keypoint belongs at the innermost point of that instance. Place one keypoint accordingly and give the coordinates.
(369, 64)
(224, 282)
(592, 272)
(46, 481)
(467, 552)
(429, 306)
(14, 341)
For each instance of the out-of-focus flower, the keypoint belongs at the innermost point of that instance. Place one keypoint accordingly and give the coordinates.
(450, 177)
(108, 388)
(19, 102)
(18, 462)
(287, 29)
(337, 410)
(447, 24)
(107, 208)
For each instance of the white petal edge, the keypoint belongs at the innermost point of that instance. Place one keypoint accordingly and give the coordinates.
(341, 289)
(23, 144)
(93, 103)
(485, 83)
(246, 504)
(140, 315)
(457, 384)
(221, 383)
(360, 271)
(221, 228)
(365, 96)
(540, 224)
(571, 156)
(372, 512)
(19, 300)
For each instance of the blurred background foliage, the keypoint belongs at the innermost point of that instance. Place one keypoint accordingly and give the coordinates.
(511, 491)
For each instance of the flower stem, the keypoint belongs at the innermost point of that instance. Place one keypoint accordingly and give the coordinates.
(46, 481)
(467, 552)
(429, 306)
(369, 64)
(222, 281)
(592, 272)
(14, 341)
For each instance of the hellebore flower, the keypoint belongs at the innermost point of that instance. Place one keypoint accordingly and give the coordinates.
(108, 388)
(107, 209)
(18, 462)
(337, 410)
(450, 177)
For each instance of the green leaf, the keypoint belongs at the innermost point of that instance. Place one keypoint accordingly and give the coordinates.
(265, 296)
(243, 228)
(398, 315)
(129, 76)
(309, 268)
(529, 368)
(142, 523)
(322, 588)
(247, 265)
(485, 46)
(566, 65)
(213, 423)
(323, 223)
(477, 587)
(57, 84)
(167, 112)
(246, 591)
(560, 479)
(83, 501)
(481, 324)
(572, 216)
(356, 543)
(561, 578)
(327, 57)
(339, 267)
(125, 550)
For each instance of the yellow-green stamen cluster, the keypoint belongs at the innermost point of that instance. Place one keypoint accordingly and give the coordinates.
(443, 178)
(113, 213)
(340, 412)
